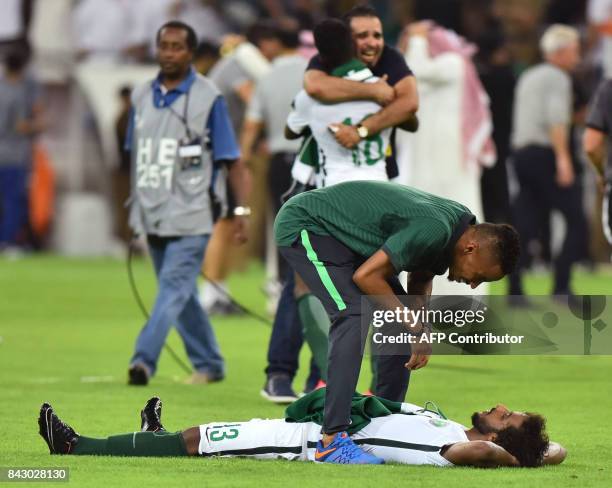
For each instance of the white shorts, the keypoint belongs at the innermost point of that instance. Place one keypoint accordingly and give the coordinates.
(260, 439)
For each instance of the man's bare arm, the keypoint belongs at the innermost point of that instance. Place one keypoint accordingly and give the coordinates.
(245, 91)
(399, 111)
(35, 124)
(371, 278)
(481, 454)
(593, 144)
(331, 89)
(239, 178)
(559, 138)
(420, 283)
(248, 135)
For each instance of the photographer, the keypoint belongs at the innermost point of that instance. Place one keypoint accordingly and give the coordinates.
(180, 136)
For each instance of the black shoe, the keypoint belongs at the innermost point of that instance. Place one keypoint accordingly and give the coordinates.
(150, 416)
(278, 389)
(138, 375)
(60, 437)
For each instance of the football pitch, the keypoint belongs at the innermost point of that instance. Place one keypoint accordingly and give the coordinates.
(67, 328)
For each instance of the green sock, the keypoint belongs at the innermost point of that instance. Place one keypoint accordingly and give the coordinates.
(315, 322)
(134, 444)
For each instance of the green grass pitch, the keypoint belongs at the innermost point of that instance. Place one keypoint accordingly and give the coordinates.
(67, 328)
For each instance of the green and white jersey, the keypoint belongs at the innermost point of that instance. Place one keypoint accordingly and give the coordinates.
(415, 438)
(337, 164)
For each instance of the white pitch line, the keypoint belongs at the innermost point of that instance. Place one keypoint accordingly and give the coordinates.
(47, 380)
(97, 379)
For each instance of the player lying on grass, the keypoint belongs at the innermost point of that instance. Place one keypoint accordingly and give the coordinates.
(392, 431)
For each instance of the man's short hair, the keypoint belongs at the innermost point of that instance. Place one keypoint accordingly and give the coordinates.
(192, 38)
(505, 244)
(288, 36)
(556, 37)
(359, 11)
(207, 49)
(334, 42)
(527, 443)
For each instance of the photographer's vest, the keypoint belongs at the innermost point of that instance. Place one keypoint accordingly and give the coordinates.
(174, 195)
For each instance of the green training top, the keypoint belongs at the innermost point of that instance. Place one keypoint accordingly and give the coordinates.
(417, 230)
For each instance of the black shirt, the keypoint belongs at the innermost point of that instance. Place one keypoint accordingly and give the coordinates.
(390, 63)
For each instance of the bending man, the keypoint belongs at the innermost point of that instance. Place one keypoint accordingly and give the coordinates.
(351, 240)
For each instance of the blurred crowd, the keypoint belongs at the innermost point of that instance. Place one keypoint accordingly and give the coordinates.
(63, 111)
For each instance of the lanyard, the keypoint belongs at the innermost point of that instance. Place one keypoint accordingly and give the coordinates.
(183, 118)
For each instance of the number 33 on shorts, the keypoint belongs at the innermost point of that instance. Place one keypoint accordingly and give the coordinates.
(222, 432)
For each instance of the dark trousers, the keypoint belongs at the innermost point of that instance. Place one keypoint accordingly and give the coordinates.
(13, 204)
(327, 267)
(279, 182)
(536, 169)
(287, 338)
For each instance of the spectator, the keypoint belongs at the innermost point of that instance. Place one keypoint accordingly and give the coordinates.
(21, 118)
(542, 158)
(454, 109)
(494, 65)
(596, 143)
(210, 26)
(122, 172)
(14, 25)
(236, 84)
(599, 14)
(180, 137)
(107, 30)
(268, 109)
(205, 15)
(400, 100)
(206, 57)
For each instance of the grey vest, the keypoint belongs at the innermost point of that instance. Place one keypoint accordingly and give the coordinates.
(171, 196)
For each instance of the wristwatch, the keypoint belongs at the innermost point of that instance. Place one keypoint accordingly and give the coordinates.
(242, 211)
(362, 131)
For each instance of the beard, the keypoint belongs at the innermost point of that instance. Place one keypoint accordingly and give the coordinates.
(172, 73)
(480, 424)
